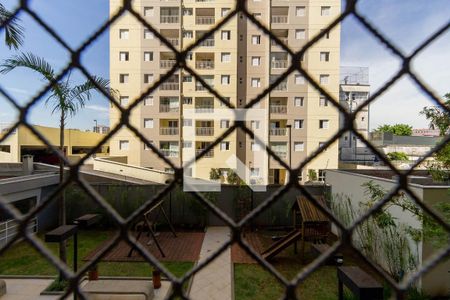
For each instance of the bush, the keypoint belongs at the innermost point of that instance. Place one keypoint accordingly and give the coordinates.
(397, 156)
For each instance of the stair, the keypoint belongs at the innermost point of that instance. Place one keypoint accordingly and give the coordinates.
(282, 244)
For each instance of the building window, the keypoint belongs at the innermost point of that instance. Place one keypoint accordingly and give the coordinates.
(224, 146)
(257, 15)
(299, 146)
(147, 147)
(256, 61)
(148, 56)
(256, 82)
(148, 101)
(254, 124)
(299, 79)
(224, 123)
(148, 35)
(124, 34)
(321, 175)
(324, 56)
(188, 11)
(322, 144)
(124, 100)
(325, 10)
(187, 78)
(123, 78)
(256, 39)
(298, 101)
(225, 35)
(225, 79)
(149, 11)
(224, 11)
(148, 78)
(187, 144)
(225, 57)
(254, 172)
(298, 124)
(188, 34)
(124, 145)
(187, 122)
(255, 147)
(187, 100)
(300, 11)
(324, 124)
(324, 79)
(323, 101)
(300, 176)
(148, 123)
(300, 34)
(124, 56)
(327, 35)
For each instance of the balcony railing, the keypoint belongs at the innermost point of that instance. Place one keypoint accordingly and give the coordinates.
(169, 19)
(204, 131)
(174, 41)
(281, 154)
(283, 39)
(281, 87)
(210, 153)
(278, 109)
(279, 64)
(167, 63)
(204, 64)
(204, 109)
(207, 43)
(168, 108)
(279, 19)
(278, 131)
(200, 87)
(169, 152)
(169, 86)
(205, 20)
(168, 130)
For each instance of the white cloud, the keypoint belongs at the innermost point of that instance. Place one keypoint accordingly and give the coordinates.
(97, 108)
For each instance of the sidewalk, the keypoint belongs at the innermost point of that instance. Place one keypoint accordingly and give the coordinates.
(214, 282)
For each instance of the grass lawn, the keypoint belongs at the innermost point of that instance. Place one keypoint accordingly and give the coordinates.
(22, 259)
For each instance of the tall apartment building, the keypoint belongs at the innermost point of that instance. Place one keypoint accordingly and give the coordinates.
(239, 61)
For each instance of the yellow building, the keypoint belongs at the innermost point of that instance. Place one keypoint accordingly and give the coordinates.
(239, 61)
(23, 142)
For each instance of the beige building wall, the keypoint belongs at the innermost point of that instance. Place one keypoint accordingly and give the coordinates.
(249, 60)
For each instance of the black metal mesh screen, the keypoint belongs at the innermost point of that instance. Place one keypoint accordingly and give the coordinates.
(350, 9)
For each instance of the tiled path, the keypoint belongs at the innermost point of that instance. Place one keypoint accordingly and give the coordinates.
(214, 281)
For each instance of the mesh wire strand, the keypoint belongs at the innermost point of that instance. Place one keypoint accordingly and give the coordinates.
(73, 174)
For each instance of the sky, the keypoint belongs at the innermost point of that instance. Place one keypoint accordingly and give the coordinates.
(406, 22)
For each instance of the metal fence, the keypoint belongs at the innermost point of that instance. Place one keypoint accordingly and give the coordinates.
(124, 225)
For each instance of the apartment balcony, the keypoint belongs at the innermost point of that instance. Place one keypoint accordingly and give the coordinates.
(204, 131)
(278, 109)
(208, 154)
(169, 86)
(204, 65)
(165, 108)
(167, 63)
(207, 43)
(169, 152)
(278, 131)
(205, 109)
(169, 131)
(205, 20)
(281, 87)
(279, 19)
(283, 39)
(174, 41)
(169, 19)
(279, 64)
(200, 87)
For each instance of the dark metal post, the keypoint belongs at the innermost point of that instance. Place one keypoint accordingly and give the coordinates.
(75, 252)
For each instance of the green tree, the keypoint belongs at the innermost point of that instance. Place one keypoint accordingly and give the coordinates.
(438, 117)
(65, 98)
(397, 129)
(14, 32)
(397, 156)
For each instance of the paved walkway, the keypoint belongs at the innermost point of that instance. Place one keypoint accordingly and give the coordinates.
(214, 281)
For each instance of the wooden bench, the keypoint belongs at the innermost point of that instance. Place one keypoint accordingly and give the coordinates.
(361, 284)
(119, 289)
(319, 249)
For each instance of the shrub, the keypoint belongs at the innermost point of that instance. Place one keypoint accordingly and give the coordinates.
(397, 156)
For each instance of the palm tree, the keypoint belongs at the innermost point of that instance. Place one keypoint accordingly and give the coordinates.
(64, 99)
(13, 30)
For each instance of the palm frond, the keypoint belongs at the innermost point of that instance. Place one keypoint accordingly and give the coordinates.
(82, 93)
(14, 32)
(29, 61)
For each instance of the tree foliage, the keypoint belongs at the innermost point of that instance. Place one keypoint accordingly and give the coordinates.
(397, 129)
(397, 156)
(438, 117)
(14, 32)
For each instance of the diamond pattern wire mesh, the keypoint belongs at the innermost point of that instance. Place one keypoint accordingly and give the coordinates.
(350, 9)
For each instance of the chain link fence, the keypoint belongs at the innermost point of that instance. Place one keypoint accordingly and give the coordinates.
(124, 225)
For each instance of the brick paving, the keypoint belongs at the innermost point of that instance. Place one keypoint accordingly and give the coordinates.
(185, 247)
(240, 256)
